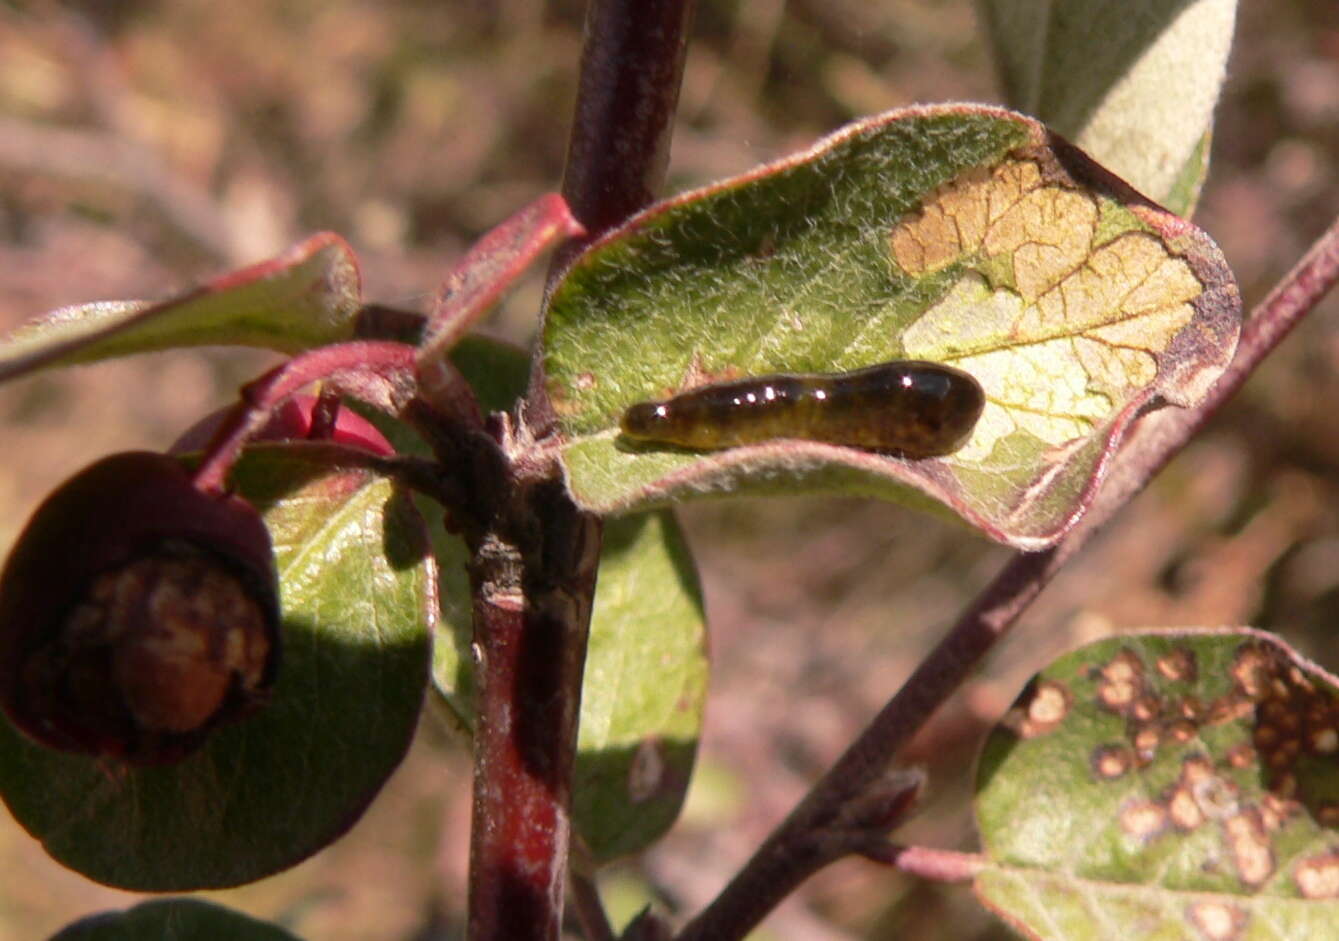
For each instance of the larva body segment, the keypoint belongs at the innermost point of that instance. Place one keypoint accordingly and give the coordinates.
(912, 408)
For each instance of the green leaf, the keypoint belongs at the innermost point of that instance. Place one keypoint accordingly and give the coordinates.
(306, 297)
(497, 371)
(960, 234)
(1132, 83)
(269, 791)
(646, 662)
(178, 919)
(1179, 784)
(644, 690)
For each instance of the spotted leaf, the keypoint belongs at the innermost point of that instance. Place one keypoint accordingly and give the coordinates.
(1180, 784)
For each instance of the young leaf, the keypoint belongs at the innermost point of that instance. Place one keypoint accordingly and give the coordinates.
(489, 268)
(306, 297)
(646, 662)
(1133, 83)
(179, 919)
(1180, 784)
(266, 792)
(959, 234)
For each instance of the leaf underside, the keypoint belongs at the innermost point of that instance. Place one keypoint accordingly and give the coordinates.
(1179, 784)
(1132, 83)
(960, 234)
(306, 297)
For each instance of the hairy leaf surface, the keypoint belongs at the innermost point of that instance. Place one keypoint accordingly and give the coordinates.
(960, 234)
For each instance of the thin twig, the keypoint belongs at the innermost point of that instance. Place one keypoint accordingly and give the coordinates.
(929, 863)
(109, 158)
(786, 858)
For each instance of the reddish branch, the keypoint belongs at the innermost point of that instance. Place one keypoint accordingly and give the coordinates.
(534, 554)
(630, 70)
(788, 856)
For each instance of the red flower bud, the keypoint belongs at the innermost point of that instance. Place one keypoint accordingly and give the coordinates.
(136, 613)
(291, 421)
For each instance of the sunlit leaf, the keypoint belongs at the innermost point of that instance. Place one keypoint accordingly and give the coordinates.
(306, 297)
(1133, 83)
(173, 920)
(265, 793)
(960, 234)
(1183, 784)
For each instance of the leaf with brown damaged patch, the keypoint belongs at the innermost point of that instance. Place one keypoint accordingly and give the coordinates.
(955, 234)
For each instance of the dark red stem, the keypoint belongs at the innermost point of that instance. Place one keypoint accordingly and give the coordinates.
(630, 70)
(530, 649)
(534, 554)
(787, 857)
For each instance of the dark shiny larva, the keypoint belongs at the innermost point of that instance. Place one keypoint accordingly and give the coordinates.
(912, 408)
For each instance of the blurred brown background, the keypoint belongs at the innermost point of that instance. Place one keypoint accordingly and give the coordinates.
(145, 145)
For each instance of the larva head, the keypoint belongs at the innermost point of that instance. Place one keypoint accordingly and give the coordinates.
(136, 613)
(939, 407)
(648, 421)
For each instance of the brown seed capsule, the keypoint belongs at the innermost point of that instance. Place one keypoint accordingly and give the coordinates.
(136, 613)
(912, 408)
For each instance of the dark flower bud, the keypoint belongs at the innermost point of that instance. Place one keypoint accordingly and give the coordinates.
(136, 613)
